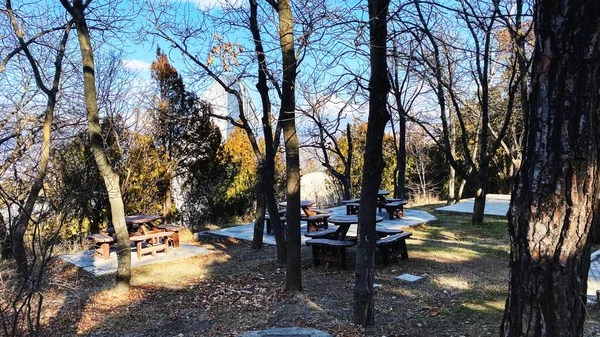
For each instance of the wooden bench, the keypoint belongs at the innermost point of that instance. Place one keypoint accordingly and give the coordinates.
(268, 220)
(329, 251)
(395, 209)
(172, 228)
(102, 244)
(383, 232)
(393, 246)
(316, 211)
(151, 243)
(350, 201)
(315, 222)
(352, 208)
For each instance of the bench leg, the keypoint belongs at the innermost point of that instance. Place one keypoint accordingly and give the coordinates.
(343, 257)
(268, 221)
(310, 226)
(176, 240)
(385, 255)
(138, 246)
(315, 254)
(105, 251)
(401, 212)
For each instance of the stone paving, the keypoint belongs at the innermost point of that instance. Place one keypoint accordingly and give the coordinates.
(99, 267)
(411, 218)
(593, 277)
(495, 204)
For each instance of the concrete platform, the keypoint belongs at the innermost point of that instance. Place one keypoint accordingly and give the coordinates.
(411, 218)
(495, 204)
(99, 267)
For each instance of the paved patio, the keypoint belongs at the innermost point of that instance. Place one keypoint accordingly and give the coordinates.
(411, 218)
(495, 204)
(99, 267)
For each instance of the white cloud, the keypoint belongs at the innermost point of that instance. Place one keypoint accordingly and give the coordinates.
(136, 65)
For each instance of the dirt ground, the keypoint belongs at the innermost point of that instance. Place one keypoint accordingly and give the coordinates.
(236, 289)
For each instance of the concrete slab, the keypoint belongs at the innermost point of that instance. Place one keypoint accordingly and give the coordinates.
(409, 277)
(411, 218)
(99, 267)
(593, 277)
(495, 204)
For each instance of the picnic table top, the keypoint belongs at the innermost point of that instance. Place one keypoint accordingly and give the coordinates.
(349, 219)
(303, 203)
(381, 192)
(141, 218)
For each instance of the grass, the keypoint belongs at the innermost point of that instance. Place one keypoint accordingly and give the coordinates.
(236, 289)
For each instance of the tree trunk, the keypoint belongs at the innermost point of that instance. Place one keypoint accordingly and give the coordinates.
(461, 189)
(111, 179)
(480, 193)
(371, 179)
(557, 186)
(292, 154)
(168, 201)
(20, 227)
(268, 174)
(259, 223)
(5, 240)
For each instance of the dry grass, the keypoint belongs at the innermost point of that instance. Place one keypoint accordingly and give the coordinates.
(236, 289)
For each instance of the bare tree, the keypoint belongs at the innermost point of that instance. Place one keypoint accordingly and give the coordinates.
(111, 179)
(443, 58)
(378, 117)
(18, 229)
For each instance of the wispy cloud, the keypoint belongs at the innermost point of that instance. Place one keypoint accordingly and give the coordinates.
(136, 65)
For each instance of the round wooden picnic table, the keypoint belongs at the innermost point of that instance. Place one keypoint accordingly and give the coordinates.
(141, 219)
(303, 203)
(349, 219)
(344, 222)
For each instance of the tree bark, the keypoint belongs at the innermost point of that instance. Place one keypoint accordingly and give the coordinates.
(379, 87)
(111, 179)
(292, 154)
(268, 174)
(557, 186)
(259, 223)
(17, 233)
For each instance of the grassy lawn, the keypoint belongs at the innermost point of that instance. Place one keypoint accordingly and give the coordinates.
(235, 289)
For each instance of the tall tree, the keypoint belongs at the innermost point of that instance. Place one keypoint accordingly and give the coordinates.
(556, 193)
(447, 65)
(287, 115)
(266, 172)
(172, 107)
(111, 179)
(379, 87)
(19, 228)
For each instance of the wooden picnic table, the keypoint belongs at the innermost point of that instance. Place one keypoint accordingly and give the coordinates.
(141, 219)
(343, 222)
(381, 195)
(304, 204)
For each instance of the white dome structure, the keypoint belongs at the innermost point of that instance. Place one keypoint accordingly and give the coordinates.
(225, 104)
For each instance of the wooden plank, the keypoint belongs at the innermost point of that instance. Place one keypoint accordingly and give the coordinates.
(393, 238)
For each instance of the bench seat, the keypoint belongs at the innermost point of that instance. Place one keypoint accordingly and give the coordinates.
(352, 208)
(393, 246)
(315, 222)
(102, 243)
(329, 251)
(151, 243)
(395, 209)
(268, 221)
(172, 228)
